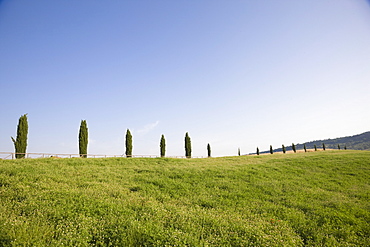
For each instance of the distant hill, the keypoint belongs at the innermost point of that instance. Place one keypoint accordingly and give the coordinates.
(355, 142)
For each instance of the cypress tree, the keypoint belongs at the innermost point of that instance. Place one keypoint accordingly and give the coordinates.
(293, 147)
(162, 146)
(20, 143)
(258, 151)
(239, 151)
(187, 145)
(83, 139)
(271, 151)
(128, 144)
(345, 147)
(338, 147)
(315, 147)
(209, 150)
(284, 150)
(304, 147)
(323, 146)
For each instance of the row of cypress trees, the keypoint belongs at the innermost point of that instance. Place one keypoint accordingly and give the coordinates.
(294, 148)
(20, 143)
(83, 141)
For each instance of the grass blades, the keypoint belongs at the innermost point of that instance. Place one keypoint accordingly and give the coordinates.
(305, 199)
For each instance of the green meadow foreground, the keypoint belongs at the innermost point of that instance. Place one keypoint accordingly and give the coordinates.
(303, 199)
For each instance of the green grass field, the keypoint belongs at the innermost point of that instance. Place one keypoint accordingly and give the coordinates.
(303, 199)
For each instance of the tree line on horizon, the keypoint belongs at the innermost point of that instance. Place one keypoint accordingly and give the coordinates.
(294, 149)
(83, 141)
(20, 142)
(283, 149)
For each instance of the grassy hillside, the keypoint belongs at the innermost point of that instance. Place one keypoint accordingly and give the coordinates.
(305, 199)
(355, 142)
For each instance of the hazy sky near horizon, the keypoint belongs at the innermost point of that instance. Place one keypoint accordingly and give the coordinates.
(235, 74)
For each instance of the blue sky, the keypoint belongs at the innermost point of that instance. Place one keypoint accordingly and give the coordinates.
(235, 74)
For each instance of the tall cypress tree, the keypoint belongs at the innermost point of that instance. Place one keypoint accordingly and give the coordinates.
(304, 147)
(20, 143)
(338, 147)
(187, 146)
(239, 151)
(271, 151)
(293, 147)
(315, 147)
(128, 144)
(284, 150)
(83, 139)
(323, 146)
(209, 150)
(258, 151)
(162, 146)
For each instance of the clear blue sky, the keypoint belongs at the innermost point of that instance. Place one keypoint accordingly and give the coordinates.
(235, 74)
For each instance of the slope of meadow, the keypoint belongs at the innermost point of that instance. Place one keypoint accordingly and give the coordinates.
(303, 199)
